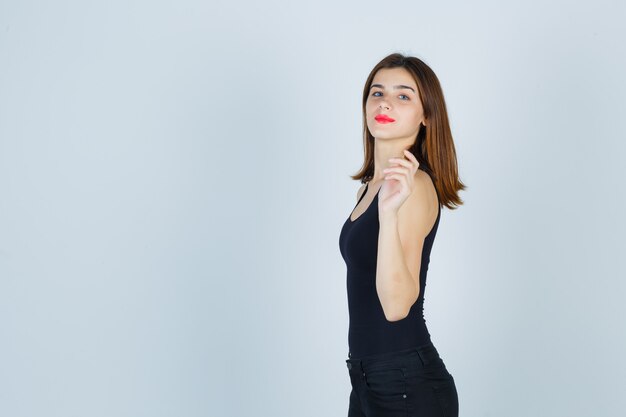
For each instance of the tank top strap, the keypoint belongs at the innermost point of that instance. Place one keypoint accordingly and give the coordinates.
(362, 195)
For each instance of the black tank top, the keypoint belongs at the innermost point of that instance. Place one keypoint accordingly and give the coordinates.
(369, 331)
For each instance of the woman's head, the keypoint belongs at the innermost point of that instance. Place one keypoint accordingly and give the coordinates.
(393, 92)
(407, 90)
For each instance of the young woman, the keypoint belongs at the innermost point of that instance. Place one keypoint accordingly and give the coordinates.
(409, 172)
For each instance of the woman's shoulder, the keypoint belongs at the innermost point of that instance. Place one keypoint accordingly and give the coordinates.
(359, 193)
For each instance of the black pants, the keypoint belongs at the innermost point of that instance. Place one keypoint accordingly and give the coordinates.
(408, 383)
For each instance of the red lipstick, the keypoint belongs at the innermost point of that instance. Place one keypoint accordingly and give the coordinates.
(383, 118)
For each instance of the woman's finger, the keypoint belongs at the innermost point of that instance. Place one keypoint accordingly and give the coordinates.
(411, 163)
(412, 158)
(399, 170)
(403, 178)
(402, 162)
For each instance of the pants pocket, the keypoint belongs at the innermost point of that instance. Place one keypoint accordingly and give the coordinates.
(386, 394)
(447, 397)
(386, 382)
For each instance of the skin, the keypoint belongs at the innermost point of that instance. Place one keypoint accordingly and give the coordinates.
(407, 201)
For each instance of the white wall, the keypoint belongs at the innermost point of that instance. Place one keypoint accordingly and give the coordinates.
(174, 177)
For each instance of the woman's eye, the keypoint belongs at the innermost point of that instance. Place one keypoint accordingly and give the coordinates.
(401, 95)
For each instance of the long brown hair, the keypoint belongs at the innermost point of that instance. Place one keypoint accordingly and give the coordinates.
(433, 146)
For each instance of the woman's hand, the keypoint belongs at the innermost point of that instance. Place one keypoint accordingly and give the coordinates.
(398, 184)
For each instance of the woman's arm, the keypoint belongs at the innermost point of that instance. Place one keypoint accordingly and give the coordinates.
(400, 242)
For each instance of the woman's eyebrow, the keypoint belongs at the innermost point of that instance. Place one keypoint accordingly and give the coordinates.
(395, 86)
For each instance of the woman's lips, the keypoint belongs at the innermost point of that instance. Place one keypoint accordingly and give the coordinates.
(382, 118)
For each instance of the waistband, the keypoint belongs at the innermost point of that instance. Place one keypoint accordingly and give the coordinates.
(422, 355)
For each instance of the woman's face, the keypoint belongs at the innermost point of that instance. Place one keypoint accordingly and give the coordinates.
(394, 93)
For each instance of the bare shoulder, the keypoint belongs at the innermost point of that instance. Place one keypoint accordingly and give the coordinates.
(359, 193)
(425, 186)
(419, 211)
